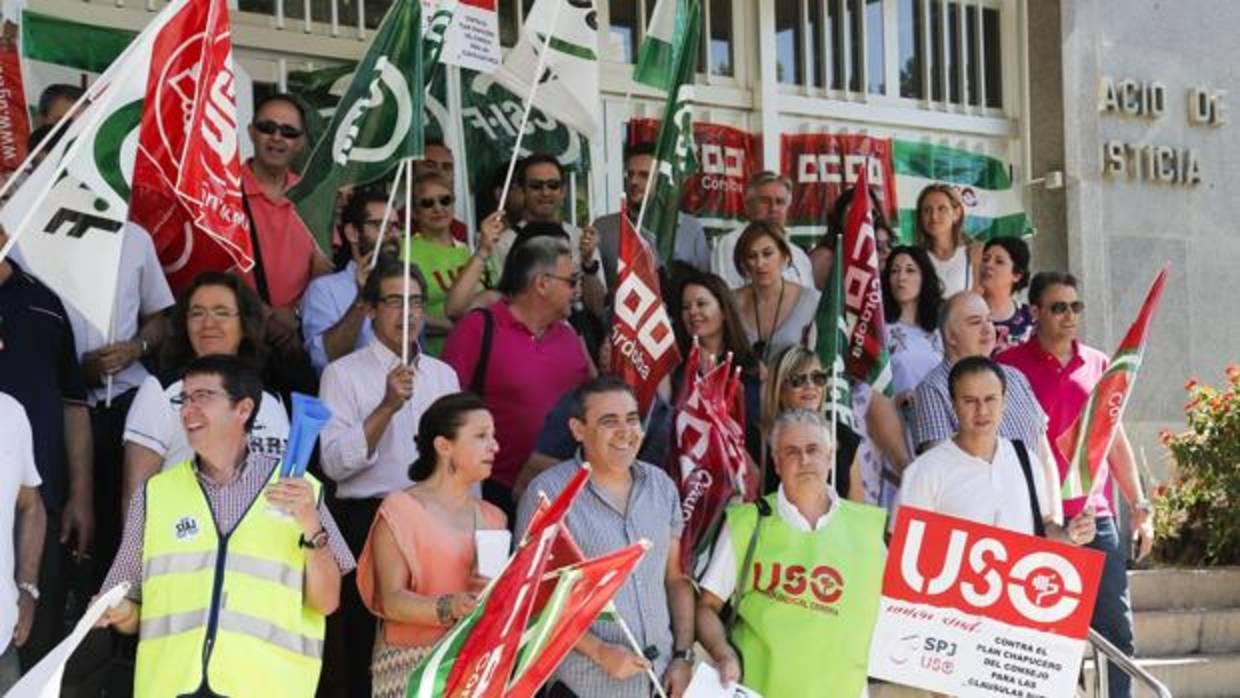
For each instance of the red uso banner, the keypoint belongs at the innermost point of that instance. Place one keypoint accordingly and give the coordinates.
(726, 157)
(823, 165)
(973, 610)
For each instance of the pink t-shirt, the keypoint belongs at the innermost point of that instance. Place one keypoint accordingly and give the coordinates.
(288, 248)
(1062, 390)
(525, 377)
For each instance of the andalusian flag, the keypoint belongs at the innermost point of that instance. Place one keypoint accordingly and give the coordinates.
(831, 345)
(660, 54)
(1088, 440)
(865, 356)
(674, 158)
(993, 208)
(377, 124)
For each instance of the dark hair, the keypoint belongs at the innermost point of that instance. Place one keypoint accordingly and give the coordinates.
(444, 417)
(60, 90)
(527, 259)
(386, 268)
(1044, 280)
(501, 174)
(596, 386)
(281, 97)
(47, 132)
(971, 365)
(1018, 250)
(642, 148)
(749, 235)
(540, 159)
(838, 214)
(436, 141)
(929, 298)
(354, 211)
(238, 376)
(734, 339)
(178, 351)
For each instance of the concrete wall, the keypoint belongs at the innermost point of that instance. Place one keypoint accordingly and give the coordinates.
(1120, 230)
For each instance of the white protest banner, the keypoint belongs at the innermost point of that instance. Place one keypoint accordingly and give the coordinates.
(972, 610)
(473, 39)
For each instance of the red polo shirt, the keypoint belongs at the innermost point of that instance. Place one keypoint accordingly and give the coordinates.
(288, 248)
(1062, 390)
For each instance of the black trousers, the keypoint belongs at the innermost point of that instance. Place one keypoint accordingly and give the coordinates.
(350, 637)
(108, 427)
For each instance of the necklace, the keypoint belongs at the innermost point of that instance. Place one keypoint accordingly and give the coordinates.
(762, 345)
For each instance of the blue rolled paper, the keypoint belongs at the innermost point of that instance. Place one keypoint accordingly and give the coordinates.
(310, 415)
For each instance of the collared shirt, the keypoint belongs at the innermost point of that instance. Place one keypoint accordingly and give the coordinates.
(935, 419)
(352, 387)
(525, 376)
(326, 301)
(652, 513)
(1062, 390)
(691, 246)
(39, 369)
(948, 480)
(508, 239)
(723, 264)
(229, 503)
(287, 246)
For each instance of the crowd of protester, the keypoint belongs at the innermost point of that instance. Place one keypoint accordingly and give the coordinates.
(143, 460)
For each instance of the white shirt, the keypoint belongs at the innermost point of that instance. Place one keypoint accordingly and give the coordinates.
(954, 273)
(722, 264)
(949, 481)
(17, 466)
(141, 289)
(352, 387)
(154, 422)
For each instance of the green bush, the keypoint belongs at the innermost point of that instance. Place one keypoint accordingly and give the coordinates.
(1197, 512)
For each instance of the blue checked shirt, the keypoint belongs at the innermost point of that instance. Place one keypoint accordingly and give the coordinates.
(934, 419)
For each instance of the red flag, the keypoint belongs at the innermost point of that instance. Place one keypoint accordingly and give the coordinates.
(643, 345)
(865, 356)
(14, 119)
(1088, 440)
(187, 176)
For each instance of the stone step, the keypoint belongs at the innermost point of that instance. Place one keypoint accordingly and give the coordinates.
(1174, 589)
(1194, 676)
(1191, 631)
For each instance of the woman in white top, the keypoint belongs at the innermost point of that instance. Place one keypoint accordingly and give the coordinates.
(777, 313)
(217, 314)
(940, 232)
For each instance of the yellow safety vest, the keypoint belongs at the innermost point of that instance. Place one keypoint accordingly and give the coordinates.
(230, 606)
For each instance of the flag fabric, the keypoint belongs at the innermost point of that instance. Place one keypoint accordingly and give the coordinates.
(664, 43)
(709, 453)
(831, 344)
(674, 157)
(1088, 440)
(377, 124)
(643, 344)
(568, 89)
(581, 593)
(865, 356)
(993, 208)
(14, 116)
(438, 16)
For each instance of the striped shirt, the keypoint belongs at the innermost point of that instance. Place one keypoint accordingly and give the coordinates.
(653, 513)
(229, 503)
(934, 418)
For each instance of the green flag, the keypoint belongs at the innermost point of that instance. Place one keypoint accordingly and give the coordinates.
(378, 123)
(674, 158)
(831, 344)
(660, 51)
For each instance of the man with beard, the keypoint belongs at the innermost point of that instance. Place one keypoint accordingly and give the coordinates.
(334, 317)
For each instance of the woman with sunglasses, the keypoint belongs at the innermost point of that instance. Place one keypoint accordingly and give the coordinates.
(776, 312)
(1005, 271)
(217, 314)
(440, 256)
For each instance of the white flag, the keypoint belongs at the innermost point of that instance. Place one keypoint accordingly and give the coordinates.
(568, 90)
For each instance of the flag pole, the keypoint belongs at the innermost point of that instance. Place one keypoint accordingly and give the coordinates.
(628, 634)
(387, 213)
(404, 253)
(529, 104)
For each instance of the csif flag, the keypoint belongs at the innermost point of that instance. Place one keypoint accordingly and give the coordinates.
(377, 124)
(831, 344)
(865, 355)
(674, 158)
(1085, 444)
(643, 344)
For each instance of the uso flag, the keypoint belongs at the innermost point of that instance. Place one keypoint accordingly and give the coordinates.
(643, 345)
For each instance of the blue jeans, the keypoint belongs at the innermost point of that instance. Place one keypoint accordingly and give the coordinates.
(1113, 610)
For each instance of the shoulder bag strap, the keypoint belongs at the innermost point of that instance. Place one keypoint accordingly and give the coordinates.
(764, 510)
(260, 271)
(477, 383)
(1022, 454)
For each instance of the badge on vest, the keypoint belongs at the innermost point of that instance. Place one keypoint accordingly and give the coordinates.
(186, 528)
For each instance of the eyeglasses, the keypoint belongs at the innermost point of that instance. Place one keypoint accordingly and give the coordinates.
(573, 281)
(198, 314)
(395, 301)
(800, 380)
(429, 202)
(268, 127)
(1061, 307)
(198, 397)
(540, 184)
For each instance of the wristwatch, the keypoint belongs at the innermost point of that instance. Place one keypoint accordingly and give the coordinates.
(29, 589)
(318, 541)
(686, 655)
(1143, 505)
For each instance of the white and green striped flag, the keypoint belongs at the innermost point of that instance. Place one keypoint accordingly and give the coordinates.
(993, 208)
(660, 50)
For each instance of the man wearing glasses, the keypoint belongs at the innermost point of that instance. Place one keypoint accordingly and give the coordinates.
(1062, 372)
(376, 402)
(767, 198)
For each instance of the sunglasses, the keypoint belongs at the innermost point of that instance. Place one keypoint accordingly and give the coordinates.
(800, 380)
(540, 184)
(1061, 307)
(269, 128)
(445, 201)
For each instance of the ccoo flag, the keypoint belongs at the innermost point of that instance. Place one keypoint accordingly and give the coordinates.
(377, 123)
(865, 355)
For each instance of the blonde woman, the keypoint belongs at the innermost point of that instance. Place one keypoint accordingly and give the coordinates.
(940, 232)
